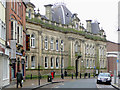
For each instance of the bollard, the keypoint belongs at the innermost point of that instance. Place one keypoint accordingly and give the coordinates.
(94, 75)
(84, 75)
(72, 76)
(31, 76)
(80, 75)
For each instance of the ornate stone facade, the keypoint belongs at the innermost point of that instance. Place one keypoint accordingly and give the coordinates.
(54, 45)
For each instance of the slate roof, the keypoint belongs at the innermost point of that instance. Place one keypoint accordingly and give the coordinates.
(95, 28)
(61, 14)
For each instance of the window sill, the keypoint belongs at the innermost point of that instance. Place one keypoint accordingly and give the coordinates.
(32, 47)
(46, 67)
(46, 49)
(57, 67)
(51, 67)
(32, 67)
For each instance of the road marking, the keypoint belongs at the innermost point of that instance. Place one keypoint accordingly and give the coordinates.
(103, 86)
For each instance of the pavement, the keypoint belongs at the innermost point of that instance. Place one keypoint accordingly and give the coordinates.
(115, 85)
(33, 83)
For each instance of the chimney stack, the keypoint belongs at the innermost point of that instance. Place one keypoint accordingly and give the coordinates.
(48, 11)
(89, 26)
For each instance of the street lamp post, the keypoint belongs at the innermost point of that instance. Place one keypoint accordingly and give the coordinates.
(39, 74)
(62, 64)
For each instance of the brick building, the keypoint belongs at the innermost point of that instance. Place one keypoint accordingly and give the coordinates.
(112, 56)
(16, 29)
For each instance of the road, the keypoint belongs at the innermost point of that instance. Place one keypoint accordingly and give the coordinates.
(80, 83)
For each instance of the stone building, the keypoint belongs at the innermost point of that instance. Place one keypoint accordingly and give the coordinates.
(54, 42)
(4, 49)
(16, 35)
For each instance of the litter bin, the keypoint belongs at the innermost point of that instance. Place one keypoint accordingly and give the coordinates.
(49, 78)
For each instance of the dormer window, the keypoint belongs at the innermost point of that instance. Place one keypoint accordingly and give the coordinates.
(76, 26)
(67, 14)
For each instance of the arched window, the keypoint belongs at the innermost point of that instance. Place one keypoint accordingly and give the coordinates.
(90, 63)
(76, 47)
(32, 62)
(52, 62)
(33, 41)
(57, 62)
(51, 44)
(103, 64)
(56, 45)
(46, 43)
(62, 45)
(29, 13)
(87, 64)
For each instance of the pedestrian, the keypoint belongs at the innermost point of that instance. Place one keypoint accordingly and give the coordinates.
(19, 78)
(65, 73)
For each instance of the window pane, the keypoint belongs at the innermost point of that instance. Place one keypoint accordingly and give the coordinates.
(57, 45)
(57, 62)
(11, 29)
(51, 62)
(46, 62)
(33, 61)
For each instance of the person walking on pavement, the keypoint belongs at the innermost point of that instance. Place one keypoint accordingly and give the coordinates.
(19, 78)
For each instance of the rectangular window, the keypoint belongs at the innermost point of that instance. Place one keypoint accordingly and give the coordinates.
(17, 8)
(11, 4)
(33, 62)
(18, 34)
(12, 30)
(32, 41)
(5, 68)
(46, 62)
(14, 4)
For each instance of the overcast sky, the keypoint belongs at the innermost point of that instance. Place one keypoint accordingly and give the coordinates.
(104, 11)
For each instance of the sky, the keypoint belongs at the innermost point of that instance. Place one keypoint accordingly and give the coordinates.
(103, 11)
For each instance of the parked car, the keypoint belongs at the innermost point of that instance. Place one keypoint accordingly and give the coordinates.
(104, 78)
